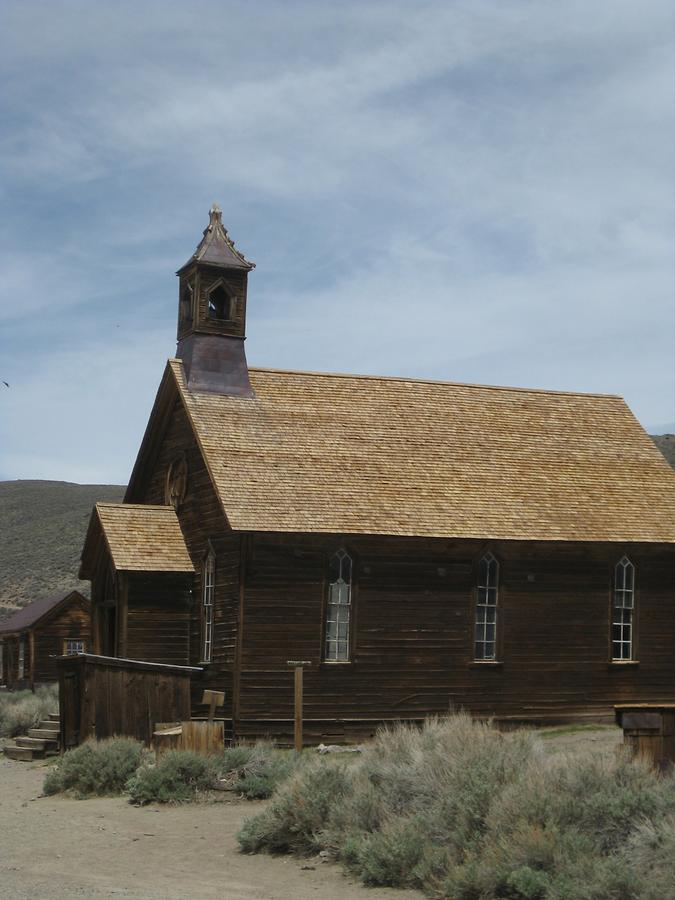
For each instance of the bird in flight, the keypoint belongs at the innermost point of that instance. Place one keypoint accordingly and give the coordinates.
(5, 384)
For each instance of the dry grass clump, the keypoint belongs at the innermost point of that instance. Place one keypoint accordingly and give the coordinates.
(95, 768)
(21, 710)
(466, 812)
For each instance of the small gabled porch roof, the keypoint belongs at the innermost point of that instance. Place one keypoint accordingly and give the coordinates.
(138, 538)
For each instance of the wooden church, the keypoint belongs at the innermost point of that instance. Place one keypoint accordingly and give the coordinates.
(423, 545)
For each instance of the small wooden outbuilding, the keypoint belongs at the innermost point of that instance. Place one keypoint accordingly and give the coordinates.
(35, 636)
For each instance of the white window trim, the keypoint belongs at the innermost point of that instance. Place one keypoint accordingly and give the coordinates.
(338, 610)
(208, 595)
(486, 611)
(21, 661)
(623, 611)
(70, 650)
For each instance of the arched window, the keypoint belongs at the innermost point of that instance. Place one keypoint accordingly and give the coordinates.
(338, 607)
(623, 607)
(487, 591)
(219, 303)
(208, 592)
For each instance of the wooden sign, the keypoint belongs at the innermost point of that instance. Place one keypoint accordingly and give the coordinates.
(213, 698)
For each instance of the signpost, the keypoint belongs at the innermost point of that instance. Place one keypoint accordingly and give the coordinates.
(298, 665)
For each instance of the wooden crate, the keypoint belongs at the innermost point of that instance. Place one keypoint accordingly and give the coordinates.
(199, 735)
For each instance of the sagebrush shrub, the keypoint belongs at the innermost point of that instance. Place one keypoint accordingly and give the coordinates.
(21, 710)
(177, 776)
(467, 813)
(95, 768)
(299, 810)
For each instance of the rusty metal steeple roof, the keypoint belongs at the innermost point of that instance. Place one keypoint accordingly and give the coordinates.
(217, 248)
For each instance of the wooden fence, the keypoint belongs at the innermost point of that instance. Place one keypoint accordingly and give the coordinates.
(101, 696)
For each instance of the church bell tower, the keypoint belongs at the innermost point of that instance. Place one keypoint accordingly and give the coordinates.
(212, 314)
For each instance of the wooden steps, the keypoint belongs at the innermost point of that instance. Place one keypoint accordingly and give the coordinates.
(45, 740)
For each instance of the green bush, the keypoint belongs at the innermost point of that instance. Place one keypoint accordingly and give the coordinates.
(176, 777)
(95, 768)
(565, 819)
(299, 810)
(465, 812)
(21, 710)
(255, 771)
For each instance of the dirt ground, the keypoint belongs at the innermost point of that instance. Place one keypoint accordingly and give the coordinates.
(58, 848)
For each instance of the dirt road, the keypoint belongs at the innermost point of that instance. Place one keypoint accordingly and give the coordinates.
(59, 848)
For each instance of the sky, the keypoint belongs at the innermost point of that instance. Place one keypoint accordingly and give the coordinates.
(467, 190)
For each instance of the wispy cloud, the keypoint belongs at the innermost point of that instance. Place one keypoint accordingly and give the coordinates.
(474, 190)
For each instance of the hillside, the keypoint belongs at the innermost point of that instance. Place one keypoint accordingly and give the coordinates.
(666, 444)
(42, 529)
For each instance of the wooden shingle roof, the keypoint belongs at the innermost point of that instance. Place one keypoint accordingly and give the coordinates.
(138, 538)
(357, 454)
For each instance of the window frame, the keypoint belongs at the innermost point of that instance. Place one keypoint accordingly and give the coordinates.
(21, 659)
(67, 652)
(207, 618)
(613, 607)
(496, 659)
(325, 660)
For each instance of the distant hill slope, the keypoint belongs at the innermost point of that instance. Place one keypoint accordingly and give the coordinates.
(666, 444)
(42, 529)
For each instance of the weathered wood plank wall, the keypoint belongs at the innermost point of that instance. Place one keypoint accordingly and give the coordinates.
(413, 625)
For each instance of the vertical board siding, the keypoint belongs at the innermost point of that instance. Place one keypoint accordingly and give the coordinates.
(101, 698)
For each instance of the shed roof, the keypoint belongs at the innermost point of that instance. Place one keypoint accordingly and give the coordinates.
(29, 615)
(364, 455)
(139, 538)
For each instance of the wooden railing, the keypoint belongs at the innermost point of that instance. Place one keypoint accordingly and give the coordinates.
(102, 696)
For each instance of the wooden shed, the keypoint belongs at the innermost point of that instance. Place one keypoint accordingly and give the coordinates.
(425, 545)
(33, 638)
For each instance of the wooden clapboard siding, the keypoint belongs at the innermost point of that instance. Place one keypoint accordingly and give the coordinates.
(202, 523)
(412, 640)
(158, 615)
(74, 622)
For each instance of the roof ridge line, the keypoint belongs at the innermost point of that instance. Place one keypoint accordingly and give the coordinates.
(134, 505)
(467, 384)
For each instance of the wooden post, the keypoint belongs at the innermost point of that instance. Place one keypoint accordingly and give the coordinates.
(298, 665)
(31, 658)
